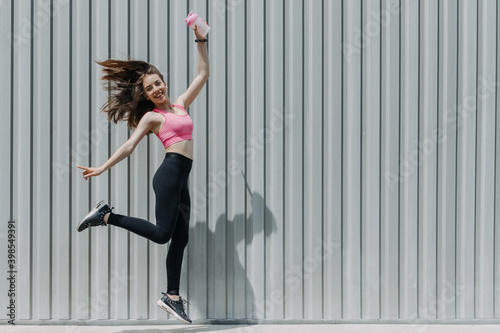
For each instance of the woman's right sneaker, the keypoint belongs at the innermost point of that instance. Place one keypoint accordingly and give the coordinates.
(175, 308)
(95, 217)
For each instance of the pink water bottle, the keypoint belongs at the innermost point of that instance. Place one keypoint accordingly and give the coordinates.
(194, 19)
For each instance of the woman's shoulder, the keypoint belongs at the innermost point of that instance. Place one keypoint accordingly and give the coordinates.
(151, 117)
(179, 102)
(152, 120)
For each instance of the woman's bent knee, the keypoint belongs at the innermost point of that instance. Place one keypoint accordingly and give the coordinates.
(162, 237)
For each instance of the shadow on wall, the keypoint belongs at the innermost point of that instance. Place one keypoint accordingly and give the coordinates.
(228, 281)
(230, 267)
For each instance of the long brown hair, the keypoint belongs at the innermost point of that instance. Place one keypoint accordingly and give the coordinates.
(127, 101)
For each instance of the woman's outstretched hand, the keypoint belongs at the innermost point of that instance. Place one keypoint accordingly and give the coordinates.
(90, 172)
(196, 33)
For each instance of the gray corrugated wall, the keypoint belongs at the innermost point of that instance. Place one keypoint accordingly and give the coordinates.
(346, 160)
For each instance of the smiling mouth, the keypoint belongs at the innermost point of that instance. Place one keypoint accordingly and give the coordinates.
(160, 95)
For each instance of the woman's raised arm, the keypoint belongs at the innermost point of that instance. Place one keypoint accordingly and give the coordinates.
(199, 81)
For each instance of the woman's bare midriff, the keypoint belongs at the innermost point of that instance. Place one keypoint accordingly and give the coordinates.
(184, 147)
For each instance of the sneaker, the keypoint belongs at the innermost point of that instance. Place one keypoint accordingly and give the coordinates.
(95, 217)
(175, 308)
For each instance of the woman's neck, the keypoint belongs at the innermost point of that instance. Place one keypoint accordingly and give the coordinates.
(165, 106)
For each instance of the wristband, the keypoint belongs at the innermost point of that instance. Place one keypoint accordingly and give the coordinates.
(201, 40)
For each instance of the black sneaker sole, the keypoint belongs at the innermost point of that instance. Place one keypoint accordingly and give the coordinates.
(167, 308)
(92, 212)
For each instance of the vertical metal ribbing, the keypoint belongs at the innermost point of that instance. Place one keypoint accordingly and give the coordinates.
(459, 165)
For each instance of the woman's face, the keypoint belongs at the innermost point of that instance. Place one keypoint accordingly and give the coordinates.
(155, 89)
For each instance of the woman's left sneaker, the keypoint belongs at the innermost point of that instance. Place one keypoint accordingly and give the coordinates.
(175, 308)
(95, 217)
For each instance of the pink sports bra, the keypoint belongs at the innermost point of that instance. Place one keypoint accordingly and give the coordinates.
(176, 127)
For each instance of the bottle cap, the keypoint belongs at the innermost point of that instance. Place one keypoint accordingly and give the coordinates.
(191, 18)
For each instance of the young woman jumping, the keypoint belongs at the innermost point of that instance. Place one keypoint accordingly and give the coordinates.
(139, 96)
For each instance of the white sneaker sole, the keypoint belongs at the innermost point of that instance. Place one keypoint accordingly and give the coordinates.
(93, 211)
(169, 310)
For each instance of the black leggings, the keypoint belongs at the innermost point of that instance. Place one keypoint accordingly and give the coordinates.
(173, 206)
